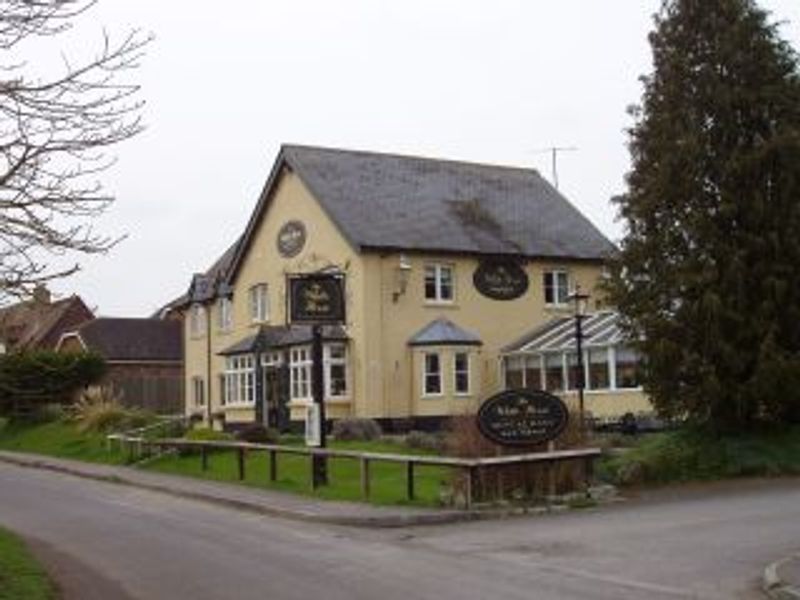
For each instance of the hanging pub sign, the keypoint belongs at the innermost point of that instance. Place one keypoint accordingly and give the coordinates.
(316, 299)
(522, 417)
(500, 279)
(291, 239)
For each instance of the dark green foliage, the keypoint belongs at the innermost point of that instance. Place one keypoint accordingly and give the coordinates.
(204, 434)
(36, 378)
(258, 434)
(708, 276)
(690, 454)
(353, 429)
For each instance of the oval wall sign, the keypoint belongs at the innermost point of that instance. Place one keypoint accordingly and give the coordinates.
(522, 417)
(291, 239)
(500, 279)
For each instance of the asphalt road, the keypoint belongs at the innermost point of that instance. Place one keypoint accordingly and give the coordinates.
(110, 541)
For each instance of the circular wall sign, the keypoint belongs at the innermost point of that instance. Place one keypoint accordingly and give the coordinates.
(500, 279)
(522, 417)
(291, 239)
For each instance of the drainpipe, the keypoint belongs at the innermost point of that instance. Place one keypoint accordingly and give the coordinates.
(208, 366)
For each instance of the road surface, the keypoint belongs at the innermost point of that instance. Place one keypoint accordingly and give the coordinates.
(111, 541)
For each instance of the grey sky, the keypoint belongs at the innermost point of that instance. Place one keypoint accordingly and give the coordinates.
(227, 83)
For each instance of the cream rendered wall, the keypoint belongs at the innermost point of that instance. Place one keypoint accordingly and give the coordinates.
(392, 375)
(324, 247)
(195, 365)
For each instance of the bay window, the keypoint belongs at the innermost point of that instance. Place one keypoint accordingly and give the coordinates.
(239, 380)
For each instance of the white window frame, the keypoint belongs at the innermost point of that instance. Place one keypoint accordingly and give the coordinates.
(198, 391)
(240, 380)
(438, 269)
(258, 303)
(426, 374)
(330, 361)
(225, 314)
(197, 320)
(555, 275)
(467, 372)
(300, 373)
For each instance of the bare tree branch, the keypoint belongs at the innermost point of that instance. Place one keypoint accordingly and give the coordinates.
(54, 136)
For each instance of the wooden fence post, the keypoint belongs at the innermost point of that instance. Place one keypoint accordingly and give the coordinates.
(410, 480)
(312, 465)
(469, 487)
(240, 457)
(364, 477)
(204, 458)
(273, 465)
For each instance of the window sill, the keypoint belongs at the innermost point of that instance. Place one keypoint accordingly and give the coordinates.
(239, 405)
(464, 396)
(308, 401)
(432, 396)
(440, 304)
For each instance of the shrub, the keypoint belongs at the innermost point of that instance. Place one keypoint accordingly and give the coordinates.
(205, 434)
(422, 440)
(362, 430)
(49, 413)
(258, 434)
(99, 410)
(35, 378)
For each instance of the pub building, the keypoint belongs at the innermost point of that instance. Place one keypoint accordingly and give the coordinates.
(456, 282)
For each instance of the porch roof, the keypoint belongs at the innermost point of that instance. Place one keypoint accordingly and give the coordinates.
(275, 337)
(444, 332)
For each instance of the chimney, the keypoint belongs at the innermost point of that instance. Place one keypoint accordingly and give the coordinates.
(41, 294)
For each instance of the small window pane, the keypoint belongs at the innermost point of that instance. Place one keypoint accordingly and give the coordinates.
(430, 283)
(533, 373)
(554, 373)
(598, 369)
(461, 372)
(433, 374)
(627, 368)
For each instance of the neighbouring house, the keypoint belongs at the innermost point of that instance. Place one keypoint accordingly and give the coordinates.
(446, 264)
(38, 323)
(144, 358)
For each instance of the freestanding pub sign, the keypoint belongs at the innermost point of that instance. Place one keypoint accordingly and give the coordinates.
(316, 299)
(522, 417)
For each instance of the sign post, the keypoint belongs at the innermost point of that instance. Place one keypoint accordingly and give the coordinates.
(317, 300)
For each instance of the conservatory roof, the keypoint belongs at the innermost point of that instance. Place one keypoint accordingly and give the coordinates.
(558, 335)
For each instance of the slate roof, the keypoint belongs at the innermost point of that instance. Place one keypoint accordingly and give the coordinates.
(133, 339)
(599, 329)
(442, 332)
(272, 337)
(388, 201)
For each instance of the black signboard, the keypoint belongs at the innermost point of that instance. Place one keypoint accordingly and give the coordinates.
(316, 299)
(522, 417)
(291, 239)
(500, 279)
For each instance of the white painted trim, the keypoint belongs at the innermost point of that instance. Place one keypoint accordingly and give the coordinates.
(71, 334)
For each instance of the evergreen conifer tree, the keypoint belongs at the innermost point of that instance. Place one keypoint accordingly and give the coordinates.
(708, 274)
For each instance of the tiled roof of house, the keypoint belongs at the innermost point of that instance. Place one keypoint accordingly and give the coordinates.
(387, 201)
(39, 324)
(444, 332)
(133, 339)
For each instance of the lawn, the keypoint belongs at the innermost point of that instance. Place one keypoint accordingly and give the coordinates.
(21, 577)
(57, 438)
(693, 455)
(388, 480)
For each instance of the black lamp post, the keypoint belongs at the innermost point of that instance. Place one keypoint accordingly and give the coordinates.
(580, 300)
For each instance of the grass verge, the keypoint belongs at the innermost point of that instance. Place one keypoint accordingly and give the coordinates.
(21, 577)
(695, 455)
(388, 480)
(58, 438)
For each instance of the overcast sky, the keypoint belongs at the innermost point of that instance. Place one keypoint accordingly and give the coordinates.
(226, 83)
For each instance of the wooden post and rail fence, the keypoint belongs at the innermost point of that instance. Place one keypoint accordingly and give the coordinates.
(139, 446)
